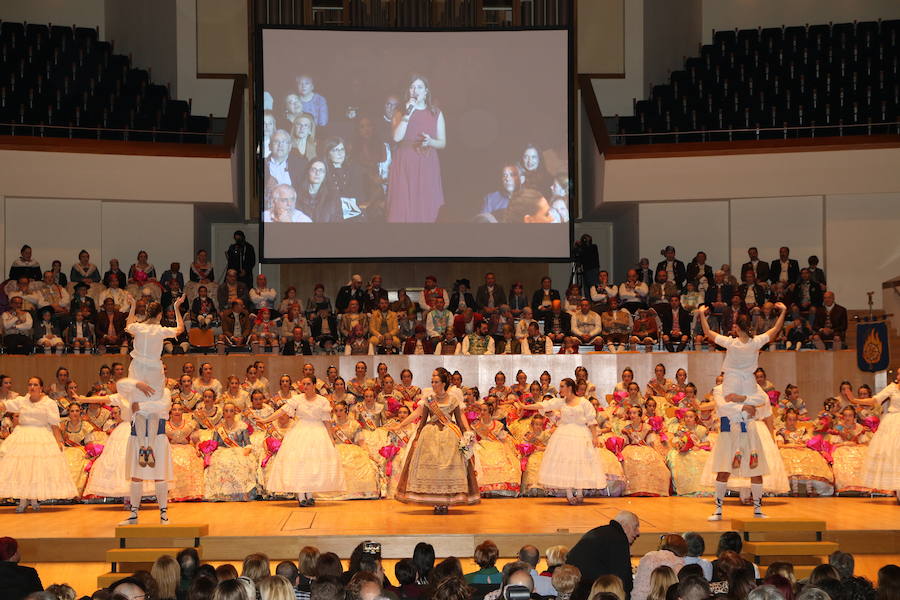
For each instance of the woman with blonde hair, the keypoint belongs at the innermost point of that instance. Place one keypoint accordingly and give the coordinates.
(556, 556)
(660, 580)
(275, 587)
(231, 589)
(167, 573)
(610, 584)
(565, 580)
(256, 566)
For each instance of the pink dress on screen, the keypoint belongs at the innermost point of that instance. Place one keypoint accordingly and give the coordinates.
(415, 194)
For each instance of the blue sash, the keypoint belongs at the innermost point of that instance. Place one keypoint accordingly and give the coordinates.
(160, 430)
(725, 425)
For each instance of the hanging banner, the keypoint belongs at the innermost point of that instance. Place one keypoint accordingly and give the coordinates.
(872, 347)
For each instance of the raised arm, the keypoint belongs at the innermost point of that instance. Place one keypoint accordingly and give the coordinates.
(707, 332)
(130, 318)
(779, 322)
(274, 416)
(419, 412)
(179, 318)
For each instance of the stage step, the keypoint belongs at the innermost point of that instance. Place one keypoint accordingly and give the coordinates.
(162, 531)
(141, 555)
(759, 549)
(763, 525)
(107, 579)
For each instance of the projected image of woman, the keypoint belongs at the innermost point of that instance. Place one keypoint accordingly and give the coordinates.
(303, 137)
(415, 192)
(536, 175)
(316, 198)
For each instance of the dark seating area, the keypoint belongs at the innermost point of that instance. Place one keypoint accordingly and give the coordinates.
(837, 79)
(58, 81)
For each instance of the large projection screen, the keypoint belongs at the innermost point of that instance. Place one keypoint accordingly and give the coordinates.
(414, 145)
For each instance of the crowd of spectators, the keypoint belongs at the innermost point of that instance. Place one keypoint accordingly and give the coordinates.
(598, 567)
(652, 308)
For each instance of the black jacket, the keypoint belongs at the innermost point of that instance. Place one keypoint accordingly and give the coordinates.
(292, 348)
(18, 581)
(678, 268)
(684, 320)
(603, 550)
(793, 270)
(346, 294)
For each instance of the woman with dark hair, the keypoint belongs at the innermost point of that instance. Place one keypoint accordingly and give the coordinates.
(436, 471)
(316, 196)
(533, 171)
(32, 466)
(415, 191)
(570, 462)
(423, 559)
(345, 178)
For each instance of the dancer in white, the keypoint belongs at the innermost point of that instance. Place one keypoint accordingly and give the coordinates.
(570, 461)
(883, 459)
(148, 447)
(307, 461)
(738, 449)
(32, 466)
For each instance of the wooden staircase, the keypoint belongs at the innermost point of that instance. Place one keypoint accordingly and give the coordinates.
(141, 545)
(798, 541)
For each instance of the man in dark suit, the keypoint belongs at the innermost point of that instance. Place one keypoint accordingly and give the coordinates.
(673, 266)
(543, 298)
(759, 267)
(698, 268)
(785, 268)
(806, 292)
(830, 324)
(751, 293)
(557, 323)
(490, 296)
(606, 550)
(296, 344)
(110, 328)
(18, 581)
(718, 295)
(644, 272)
(676, 325)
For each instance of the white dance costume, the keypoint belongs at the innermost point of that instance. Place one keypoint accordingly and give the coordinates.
(570, 460)
(31, 463)
(146, 366)
(741, 360)
(108, 477)
(776, 480)
(738, 449)
(882, 467)
(307, 460)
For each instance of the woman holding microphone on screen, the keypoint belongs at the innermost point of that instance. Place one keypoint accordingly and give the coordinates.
(415, 193)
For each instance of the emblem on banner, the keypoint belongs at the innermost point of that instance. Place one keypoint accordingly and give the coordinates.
(872, 347)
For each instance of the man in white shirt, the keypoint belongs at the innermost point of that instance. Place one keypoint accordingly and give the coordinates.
(602, 292)
(24, 288)
(587, 326)
(17, 328)
(118, 295)
(284, 207)
(438, 320)
(279, 165)
(262, 296)
(633, 293)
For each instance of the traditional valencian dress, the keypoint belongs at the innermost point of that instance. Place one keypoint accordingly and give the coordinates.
(687, 458)
(31, 464)
(186, 462)
(307, 461)
(646, 472)
(570, 461)
(360, 471)
(436, 471)
(882, 467)
(499, 471)
(231, 474)
(804, 465)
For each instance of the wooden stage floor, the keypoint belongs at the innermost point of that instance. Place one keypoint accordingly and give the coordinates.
(280, 528)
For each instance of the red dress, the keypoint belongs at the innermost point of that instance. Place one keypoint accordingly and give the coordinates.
(415, 193)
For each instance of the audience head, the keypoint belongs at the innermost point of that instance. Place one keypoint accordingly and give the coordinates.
(843, 563)
(630, 524)
(690, 570)
(660, 579)
(289, 571)
(276, 587)
(610, 584)
(556, 555)
(451, 588)
(232, 589)
(327, 587)
(565, 579)
(822, 572)
(329, 565)
(201, 588)
(486, 554)
(693, 588)
(167, 573)
(530, 554)
(256, 566)
(226, 571)
(364, 586)
(740, 584)
(131, 588)
(449, 567)
(674, 543)
(405, 571)
(765, 592)
(784, 585)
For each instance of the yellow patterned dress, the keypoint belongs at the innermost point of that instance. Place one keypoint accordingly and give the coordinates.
(361, 479)
(187, 464)
(74, 438)
(231, 474)
(850, 458)
(499, 471)
(686, 459)
(805, 467)
(646, 472)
